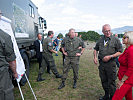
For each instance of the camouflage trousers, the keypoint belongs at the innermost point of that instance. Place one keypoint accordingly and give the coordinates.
(72, 62)
(48, 60)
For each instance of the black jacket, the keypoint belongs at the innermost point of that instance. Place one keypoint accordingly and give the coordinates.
(37, 48)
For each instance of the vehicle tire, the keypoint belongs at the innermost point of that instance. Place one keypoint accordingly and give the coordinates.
(26, 62)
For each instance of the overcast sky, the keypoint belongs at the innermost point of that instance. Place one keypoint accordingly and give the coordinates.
(85, 14)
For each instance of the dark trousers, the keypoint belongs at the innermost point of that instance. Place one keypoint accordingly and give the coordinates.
(39, 59)
(63, 58)
(107, 73)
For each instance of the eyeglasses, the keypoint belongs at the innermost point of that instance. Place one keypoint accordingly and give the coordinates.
(106, 31)
(124, 37)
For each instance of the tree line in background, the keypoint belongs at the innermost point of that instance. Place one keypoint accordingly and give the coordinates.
(90, 35)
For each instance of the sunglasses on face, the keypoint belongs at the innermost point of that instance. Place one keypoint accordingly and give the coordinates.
(124, 37)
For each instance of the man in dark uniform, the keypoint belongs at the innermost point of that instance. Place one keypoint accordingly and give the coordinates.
(39, 49)
(47, 58)
(72, 54)
(109, 48)
(7, 60)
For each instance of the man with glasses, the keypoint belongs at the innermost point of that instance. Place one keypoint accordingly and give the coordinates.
(109, 48)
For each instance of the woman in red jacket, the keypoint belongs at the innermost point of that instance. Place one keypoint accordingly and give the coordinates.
(125, 74)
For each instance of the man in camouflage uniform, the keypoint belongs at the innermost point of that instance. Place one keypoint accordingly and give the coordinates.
(47, 58)
(73, 50)
(7, 60)
(109, 48)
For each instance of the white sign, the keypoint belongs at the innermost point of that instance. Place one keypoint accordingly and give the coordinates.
(5, 25)
(21, 35)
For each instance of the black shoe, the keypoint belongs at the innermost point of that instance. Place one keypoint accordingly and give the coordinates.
(58, 76)
(39, 78)
(62, 85)
(104, 98)
(49, 72)
(75, 84)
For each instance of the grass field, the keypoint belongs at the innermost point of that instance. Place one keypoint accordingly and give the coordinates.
(88, 87)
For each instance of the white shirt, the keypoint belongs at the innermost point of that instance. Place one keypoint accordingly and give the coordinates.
(105, 43)
(41, 50)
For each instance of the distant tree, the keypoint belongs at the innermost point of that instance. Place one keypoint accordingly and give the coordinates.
(60, 35)
(45, 34)
(83, 35)
(120, 35)
(93, 36)
(90, 35)
(66, 34)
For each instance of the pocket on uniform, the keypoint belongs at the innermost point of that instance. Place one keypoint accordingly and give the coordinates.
(112, 49)
(68, 46)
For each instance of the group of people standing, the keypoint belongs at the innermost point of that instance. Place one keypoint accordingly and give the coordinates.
(108, 48)
(72, 47)
(46, 57)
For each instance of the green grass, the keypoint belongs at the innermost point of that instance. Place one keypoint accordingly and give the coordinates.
(88, 87)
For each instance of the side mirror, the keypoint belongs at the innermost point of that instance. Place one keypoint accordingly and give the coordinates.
(45, 24)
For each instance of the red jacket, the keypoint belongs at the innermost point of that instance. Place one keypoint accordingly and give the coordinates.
(126, 65)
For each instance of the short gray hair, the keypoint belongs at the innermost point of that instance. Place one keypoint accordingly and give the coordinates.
(106, 25)
(71, 29)
(129, 34)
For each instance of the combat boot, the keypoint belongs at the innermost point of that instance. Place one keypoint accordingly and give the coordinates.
(58, 76)
(62, 85)
(39, 78)
(105, 97)
(75, 84)
(49, 72)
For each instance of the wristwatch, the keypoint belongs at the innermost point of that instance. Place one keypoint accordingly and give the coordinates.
(111, 56)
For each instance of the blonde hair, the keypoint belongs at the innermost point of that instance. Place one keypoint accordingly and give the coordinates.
(129, 34)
